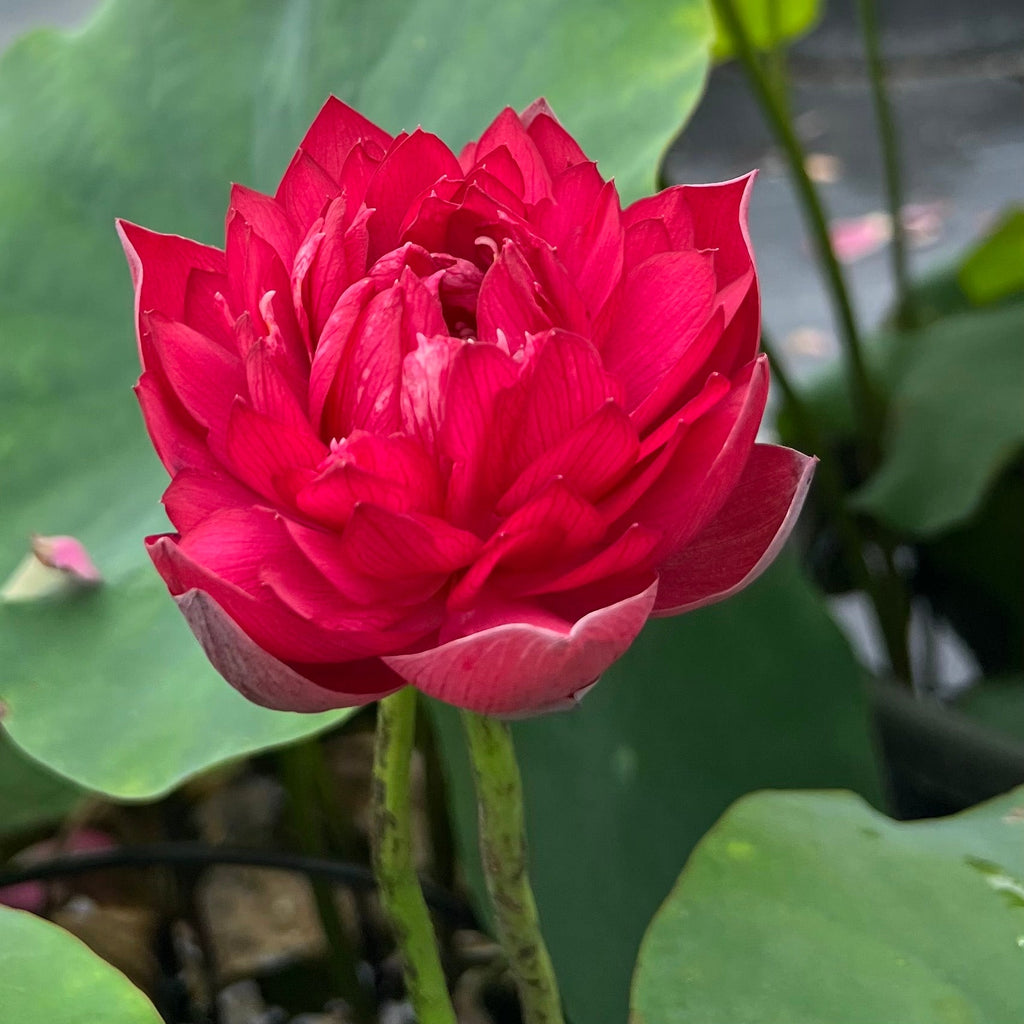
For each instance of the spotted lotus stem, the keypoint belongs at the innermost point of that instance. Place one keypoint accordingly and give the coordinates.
(503, 851)
(397, 884)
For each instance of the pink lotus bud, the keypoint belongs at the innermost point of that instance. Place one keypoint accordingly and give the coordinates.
(455, 421)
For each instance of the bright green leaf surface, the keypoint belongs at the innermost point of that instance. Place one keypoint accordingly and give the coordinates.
(29, 794)
(994, 269)
(149, 114)
(758, 691)
(806, 908)
(769, 23)
(47, 976)
(956, 419)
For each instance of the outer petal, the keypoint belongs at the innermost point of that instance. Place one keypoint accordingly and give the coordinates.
(526, 666)
(271, 683)
(744, 538)
(558, 148)
(507, 130)
(334, 133)
(170, 259)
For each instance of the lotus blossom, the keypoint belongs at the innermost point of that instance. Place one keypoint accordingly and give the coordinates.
(454, 421)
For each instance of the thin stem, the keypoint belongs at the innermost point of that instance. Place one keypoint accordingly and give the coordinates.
(889, 610)
(499, 797)
(301, 766)
(890, 159)
(400, 892)
(201, 855)
(776, 57)
(863, 392)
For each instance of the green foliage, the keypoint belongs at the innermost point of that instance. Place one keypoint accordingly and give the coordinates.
(148, 114)
(29, 794)
(769, 23)
(956, 419)
(800, 908)
(999, 705)
(49, 977)
(994, 269)
(758, 691)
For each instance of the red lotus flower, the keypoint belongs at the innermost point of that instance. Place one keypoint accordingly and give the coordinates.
(454, 421)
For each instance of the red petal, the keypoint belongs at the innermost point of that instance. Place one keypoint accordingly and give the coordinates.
(335, 131)
(194, 495)
(661, 309)
(263, 452)
(706, 463)
(529, 663)
(507, 306)
(276, 384)
(170, 259)
(558, 148)
(391, 471)
(674, 389)
(720, 223)
(508, 131)
(272, 683)
(743, 538)
(390, 545)
(669, 208)
(547, 531)
(632, 551)
(425, 373)
(567, 384)
(268, 219)
(204, 376)
(479, 374)
(206, 307)
(410, 168)
(305, 189)
(334, 346)
(644, 239)
(592, 458)
(178, 440)
(336, 261)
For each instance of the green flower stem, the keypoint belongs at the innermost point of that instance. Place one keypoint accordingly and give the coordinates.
(865, 399)
(891, 161)
(499, 796)
(399, 889)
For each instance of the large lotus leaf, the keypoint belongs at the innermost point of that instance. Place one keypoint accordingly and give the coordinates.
(148, 114)
(956, 419)
(758, 691)
(30, 795)
(47, 976)
(801, 908)
(769, 23)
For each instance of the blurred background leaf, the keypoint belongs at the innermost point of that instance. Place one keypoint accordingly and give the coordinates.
(769, 24)
(759, 691)
(30, 795)
(148, 114)
(34, 954)
(994, 269)
(799, 908)
(956, 418)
